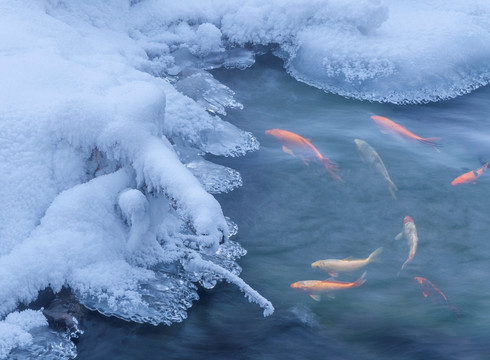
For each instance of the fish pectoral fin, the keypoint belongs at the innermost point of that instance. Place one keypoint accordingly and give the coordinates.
(315, 297)
(306, 162)
(288, 150)
(331, 296)
(399, 236)
(333, 274)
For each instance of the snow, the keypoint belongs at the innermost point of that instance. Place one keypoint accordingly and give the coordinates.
(26, 335)
(107, 110)
(15, 328)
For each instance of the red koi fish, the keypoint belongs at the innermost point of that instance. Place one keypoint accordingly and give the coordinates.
(410, 234)
(386, 124)
(469, 177)
(304, 148)
(315, 288)
(437, 296)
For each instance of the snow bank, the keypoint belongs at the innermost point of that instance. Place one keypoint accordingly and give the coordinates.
(95, 196)
(389, 51)
(26, 335)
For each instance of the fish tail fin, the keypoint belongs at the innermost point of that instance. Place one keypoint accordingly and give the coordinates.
(331, 167)
(455, 310)
(483, 161)
(361, 280)
(375, 254)
(432, 141)
(392, 188)
(404, 265)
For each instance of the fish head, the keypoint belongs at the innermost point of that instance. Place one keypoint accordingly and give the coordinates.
(378, 119)
(407, 219)
(359, 143)
(273, 132)
(456, 181)
(317, 264)
(299, 285)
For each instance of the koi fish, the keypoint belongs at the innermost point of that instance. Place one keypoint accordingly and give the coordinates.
(410, 234)
(370, 156)
(304, 148)
(315, 288)
(437, 296)
(386, 124)
(469, 177)
(334, 266)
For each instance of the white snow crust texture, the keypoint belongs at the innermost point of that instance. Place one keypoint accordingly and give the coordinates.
(107, 108)
(389, 51)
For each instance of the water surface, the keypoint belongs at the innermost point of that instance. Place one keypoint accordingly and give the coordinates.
(290, 215)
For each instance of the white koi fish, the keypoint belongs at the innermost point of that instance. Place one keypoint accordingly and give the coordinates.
(410, 234)
(334, 266)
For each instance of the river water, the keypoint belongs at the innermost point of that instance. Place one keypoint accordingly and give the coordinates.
(290, 215)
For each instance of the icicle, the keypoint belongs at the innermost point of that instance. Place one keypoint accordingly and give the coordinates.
(196, 264)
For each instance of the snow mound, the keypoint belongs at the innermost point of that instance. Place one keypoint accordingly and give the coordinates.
(387, 51)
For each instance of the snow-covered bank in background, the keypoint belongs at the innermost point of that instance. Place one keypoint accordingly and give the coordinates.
(107, 109)
(389, 51)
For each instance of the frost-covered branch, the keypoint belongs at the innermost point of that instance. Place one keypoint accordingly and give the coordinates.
(196, 264)
(158, 168)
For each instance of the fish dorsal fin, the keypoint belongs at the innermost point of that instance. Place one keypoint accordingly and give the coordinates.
(333, 275)
(331, 279)
(348, 258)
(399, 236)
(315, 297)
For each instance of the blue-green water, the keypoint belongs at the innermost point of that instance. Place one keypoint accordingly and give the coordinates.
(290, 215)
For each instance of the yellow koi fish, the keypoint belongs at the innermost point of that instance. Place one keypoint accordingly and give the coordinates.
(315, 288)
(370, 156)
(334, 266)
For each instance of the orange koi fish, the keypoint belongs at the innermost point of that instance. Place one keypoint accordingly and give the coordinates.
(304, 148)
(437, 296)
(316, 287)
(410, 234)
(386, 124)
(469, 177)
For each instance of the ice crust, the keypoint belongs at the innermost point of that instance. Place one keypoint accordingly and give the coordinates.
(25, 335)
(108, 108)
(388, 51)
